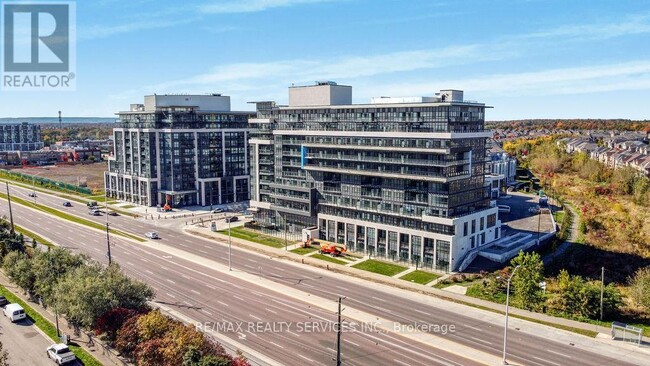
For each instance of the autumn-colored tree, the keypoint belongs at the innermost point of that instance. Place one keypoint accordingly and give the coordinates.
(128, 337)
(110, 322)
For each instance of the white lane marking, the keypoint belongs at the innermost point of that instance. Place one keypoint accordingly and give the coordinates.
(203, 251)
(148, 271)
(186, 277)
(296, 334)
(344, 288)
(187, 303)
(277, 345)
(168, 280)
(400, 362)
(558, 353)
(207, 312)
(254, 317)
(481, 340)
(308, 359)
(144, 260)
(183, 245)
(376, 298)
(471, 327)
(251, 260)
(270, 311)
(210, 286)
(129, 263)
(223, 303)
(207, 247)
(246, 265)
(546, 361)
(279, 269)
(306, 285)
(237, 297)
(196, 292)
(170, 295)
(352, 343)
(421, 312)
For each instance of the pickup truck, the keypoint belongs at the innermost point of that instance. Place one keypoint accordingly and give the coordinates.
(60, 354)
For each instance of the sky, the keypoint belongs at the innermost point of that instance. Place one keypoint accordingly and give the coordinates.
(525, 58)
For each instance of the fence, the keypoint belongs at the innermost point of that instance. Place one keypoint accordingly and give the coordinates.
(43, 182)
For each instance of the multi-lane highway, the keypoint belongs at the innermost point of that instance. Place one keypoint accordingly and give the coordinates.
(210, 297)
(177, 281)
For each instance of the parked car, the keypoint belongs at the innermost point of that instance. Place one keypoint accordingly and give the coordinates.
(217, 210)
(67, 204)
(151, 235)
(91, 204)
(232, 219)
(14, 312)
(32, 194)
(3, 301)
(112, 213)
(60, 354)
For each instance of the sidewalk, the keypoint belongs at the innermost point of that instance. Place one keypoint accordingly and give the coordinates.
(102, 353)
(394, 282)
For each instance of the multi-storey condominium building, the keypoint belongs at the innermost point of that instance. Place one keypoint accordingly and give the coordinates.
(401, 178)
(20, 137)
(180, 150)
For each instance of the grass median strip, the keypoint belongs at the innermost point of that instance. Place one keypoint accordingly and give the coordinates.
(420, 277)
(387, 269)
(69, 217)
(39, 239)
(48, 328)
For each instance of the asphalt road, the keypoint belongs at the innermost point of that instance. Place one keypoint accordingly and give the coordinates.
(23, 343)
(482, 335)
(210, 297)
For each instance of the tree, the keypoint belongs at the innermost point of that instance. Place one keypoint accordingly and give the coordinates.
(19, 268)
(50, 267)
(640, 288)
(128, 337)
(4, 356)
(624, 179)
(111, 321)
(576, 297)
(527, 292)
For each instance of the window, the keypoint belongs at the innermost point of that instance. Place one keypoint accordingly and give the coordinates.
(473, 226)
(481, 223)
(465, 228)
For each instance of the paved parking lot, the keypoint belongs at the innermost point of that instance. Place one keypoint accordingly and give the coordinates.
(520, 218)
(24, 344)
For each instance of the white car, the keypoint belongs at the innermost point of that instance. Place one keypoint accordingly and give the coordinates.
(14, 312)
(217, 210)
(151, 235)
(60, 354)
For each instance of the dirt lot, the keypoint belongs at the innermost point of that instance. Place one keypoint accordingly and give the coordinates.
(92, 174)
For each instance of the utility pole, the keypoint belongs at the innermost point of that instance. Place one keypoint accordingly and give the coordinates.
(285, 235)
(11, 216)
(108, 236)
(505, 328)
(602, 290)
(338, 337)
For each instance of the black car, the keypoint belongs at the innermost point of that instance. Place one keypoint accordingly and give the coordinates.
(232, 219)
(3, 301)
(67, 204)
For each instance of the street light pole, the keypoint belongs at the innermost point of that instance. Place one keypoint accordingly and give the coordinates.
(505, 329)
(338, 336)
(602, 291)
(11, 216)
(229, 246)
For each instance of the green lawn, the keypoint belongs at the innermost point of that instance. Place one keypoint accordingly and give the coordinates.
(328, 258)
(245, 234)
(384, 268)
(48, 328)
(303, 251)
(69, 217)
(420, 277)
(126, 207)
(559, 216)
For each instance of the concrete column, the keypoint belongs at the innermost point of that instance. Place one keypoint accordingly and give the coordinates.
(410, 249)
(223, 154)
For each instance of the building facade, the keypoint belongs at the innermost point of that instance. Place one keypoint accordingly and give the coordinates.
(20, 137)
(400, 178)
(180, 150)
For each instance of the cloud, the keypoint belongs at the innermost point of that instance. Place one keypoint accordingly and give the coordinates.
(251, 6)
(636, 24)
(558, 81)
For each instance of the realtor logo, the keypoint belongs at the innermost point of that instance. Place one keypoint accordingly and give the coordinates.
(38, 46)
